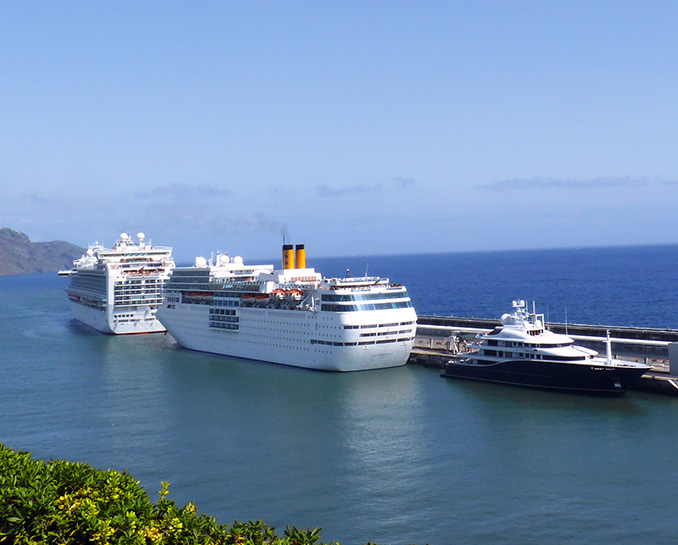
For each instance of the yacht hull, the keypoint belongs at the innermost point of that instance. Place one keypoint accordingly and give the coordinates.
(576, 377)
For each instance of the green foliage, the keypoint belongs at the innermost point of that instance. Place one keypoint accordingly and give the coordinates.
(60, 502)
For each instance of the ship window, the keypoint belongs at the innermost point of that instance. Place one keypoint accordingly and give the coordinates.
(566, 358)
(398, 294)
(364, 306)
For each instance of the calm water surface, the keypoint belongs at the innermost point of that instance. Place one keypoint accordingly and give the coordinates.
(397, 455)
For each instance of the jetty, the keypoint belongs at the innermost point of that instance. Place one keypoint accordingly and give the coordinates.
(439, 338)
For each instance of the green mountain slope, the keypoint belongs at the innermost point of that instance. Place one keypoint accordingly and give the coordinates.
(18, 255)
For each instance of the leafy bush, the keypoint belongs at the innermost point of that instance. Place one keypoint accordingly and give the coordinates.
(60, 502)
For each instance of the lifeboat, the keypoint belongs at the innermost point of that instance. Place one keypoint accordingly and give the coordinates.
(295, 292)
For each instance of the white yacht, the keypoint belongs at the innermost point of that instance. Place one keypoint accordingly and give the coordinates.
(522, 352)
(119, 290)
(291, 316)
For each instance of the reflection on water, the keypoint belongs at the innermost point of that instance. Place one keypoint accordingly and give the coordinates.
(132, 406)
(382, 423)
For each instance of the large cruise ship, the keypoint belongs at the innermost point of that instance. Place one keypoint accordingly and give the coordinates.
(291, 316)
(119, 290)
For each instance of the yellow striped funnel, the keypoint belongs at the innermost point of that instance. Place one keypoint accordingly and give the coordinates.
(301, 256)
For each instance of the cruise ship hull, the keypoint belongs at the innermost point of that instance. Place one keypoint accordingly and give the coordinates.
(287, 337)
(101, 320)
(586, 377)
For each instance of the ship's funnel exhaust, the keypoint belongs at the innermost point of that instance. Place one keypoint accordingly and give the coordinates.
(288, 256)
(300, 256)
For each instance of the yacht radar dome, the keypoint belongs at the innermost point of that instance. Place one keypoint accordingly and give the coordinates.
(141, 236)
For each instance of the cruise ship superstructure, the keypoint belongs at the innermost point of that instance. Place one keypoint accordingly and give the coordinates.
(118, 290)
(291, 316)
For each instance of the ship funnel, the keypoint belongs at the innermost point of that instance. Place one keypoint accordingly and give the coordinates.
(288, 256)
(300, 256)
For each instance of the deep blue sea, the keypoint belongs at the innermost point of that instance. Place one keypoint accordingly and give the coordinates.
(399, 455)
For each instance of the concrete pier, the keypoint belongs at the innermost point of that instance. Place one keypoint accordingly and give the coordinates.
(439, 338)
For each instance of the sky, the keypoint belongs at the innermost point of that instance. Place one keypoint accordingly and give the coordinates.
(355, 128)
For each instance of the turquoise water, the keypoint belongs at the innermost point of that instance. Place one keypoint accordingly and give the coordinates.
(396, 456)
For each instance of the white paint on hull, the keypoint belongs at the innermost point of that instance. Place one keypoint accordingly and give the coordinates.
(285, 337)
(105, 322)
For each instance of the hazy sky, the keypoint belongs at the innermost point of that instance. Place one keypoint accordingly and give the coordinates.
(352, 127)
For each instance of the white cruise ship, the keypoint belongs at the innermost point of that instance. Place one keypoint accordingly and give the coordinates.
(290, 316)
(119, 290)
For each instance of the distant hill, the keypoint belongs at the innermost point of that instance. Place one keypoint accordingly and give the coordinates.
(18, 255)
